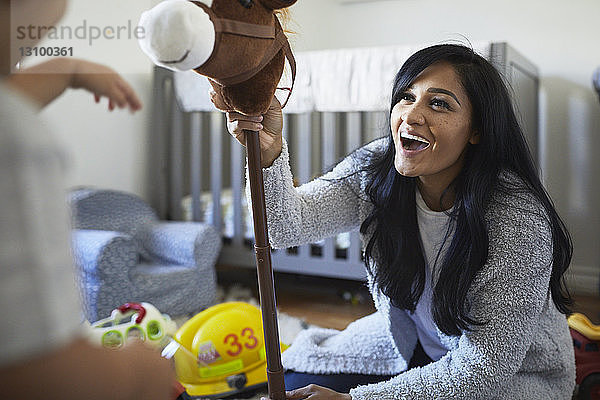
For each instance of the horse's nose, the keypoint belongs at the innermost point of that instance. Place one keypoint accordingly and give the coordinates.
(177, 34)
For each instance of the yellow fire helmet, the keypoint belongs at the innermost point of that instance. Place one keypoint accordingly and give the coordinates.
(227, 349)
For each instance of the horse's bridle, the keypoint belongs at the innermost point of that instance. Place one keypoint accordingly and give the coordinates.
(272, 32)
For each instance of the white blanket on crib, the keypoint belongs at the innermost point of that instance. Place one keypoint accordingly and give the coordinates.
(339, 80)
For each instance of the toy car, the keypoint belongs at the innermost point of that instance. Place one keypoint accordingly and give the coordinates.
(586, 342)
(142, 321)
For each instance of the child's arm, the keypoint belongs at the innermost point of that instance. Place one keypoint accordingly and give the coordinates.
(45, 82)
(83, 371)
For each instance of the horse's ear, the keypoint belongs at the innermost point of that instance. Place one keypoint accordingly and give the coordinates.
(276, 4)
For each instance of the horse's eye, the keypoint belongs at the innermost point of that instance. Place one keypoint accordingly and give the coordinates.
(246, 3)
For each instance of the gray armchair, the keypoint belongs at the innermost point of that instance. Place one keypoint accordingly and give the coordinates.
(125, 254)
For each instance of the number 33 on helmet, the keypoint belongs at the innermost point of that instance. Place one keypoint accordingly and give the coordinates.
(228, 345)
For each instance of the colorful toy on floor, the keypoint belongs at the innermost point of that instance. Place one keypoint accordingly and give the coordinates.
(142, 321)
(586, 342)
(227, 350)
(139, 321)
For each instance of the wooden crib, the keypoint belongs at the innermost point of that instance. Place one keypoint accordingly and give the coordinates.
(198, 169)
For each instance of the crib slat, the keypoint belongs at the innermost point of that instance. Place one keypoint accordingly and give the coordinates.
(196, 164)
(216, 168)
(237, 191)
(176, 167)
(353, 131)
(353, 141)
(158, 141)
(303, 147)
(328, 139)
(329, 128)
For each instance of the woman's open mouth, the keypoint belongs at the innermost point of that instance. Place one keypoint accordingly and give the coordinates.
(413, 143)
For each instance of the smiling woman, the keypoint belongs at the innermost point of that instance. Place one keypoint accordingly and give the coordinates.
(464, 250)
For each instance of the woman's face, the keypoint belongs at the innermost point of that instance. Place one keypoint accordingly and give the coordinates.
(431, 124)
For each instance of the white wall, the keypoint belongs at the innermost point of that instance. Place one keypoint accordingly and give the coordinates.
(108, 149)
(561, 38)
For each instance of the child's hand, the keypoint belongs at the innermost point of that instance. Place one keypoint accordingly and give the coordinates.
(104, 81)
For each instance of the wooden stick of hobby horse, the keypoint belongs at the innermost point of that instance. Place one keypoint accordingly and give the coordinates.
(266, 287)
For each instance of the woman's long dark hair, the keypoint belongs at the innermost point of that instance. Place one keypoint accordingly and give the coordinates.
(400, 271)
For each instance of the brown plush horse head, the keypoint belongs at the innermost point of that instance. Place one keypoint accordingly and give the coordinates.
(238, 44)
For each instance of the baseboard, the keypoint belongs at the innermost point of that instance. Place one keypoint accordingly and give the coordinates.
(583, 280)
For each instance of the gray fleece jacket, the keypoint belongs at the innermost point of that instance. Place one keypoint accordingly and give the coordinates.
(524, 351)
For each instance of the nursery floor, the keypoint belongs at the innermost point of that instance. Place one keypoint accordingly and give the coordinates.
(329, 303)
